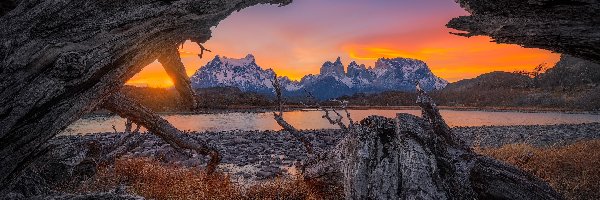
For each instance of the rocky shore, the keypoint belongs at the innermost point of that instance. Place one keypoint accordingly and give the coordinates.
(259, 155)
(250, 156)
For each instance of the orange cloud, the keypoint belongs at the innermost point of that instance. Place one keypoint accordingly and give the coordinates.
(451, 57)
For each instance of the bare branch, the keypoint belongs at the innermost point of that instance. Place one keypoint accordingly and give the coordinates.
(284, 124)
(337, 121)
(344, 106)
(202, 49)
(128, 108)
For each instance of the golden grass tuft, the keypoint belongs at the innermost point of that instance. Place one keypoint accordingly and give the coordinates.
(573, 170)
(154, 180)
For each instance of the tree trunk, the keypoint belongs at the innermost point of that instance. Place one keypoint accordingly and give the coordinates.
(411, 157)
(61, 59)
(566, 26)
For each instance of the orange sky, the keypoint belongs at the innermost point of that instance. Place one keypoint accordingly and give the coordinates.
(295, 44)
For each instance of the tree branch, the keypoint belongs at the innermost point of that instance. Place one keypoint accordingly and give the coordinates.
(130, 109)
(337, 121)
(284, 124)
(202, 49)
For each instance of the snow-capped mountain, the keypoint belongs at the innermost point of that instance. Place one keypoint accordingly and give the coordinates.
(398, 74)
(241, 73)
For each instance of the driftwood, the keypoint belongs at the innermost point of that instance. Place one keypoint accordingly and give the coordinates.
(61, 59)
(130, 109)
(412, 157)
(326, 115)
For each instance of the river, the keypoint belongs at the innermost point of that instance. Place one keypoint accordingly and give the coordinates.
(312, 120)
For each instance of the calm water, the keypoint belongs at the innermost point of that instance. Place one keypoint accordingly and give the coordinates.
(313, 120)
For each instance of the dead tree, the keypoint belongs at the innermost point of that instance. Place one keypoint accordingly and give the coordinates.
(412, 157)
(61, 59)
(128, 126)
(284, 124)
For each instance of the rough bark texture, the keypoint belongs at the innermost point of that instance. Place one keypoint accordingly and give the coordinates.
(61, 59)
(563, 26)
(411, 157)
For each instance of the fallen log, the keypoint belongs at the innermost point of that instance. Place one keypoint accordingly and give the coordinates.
(412, 157)
(128, 108)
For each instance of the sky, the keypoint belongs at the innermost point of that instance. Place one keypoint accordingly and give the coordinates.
(295, 40)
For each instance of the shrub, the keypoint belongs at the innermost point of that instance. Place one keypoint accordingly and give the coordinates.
(572, 170)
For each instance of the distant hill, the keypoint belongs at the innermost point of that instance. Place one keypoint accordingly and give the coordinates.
(571, 72)
(168, 100)
(398, 74)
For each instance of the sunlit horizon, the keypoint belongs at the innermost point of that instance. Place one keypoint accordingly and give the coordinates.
(294, 43)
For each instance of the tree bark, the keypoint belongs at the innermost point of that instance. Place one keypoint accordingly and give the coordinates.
(567, 26)
(61, 59)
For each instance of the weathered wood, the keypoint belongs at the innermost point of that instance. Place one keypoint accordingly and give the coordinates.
(410, 157)
(128, 108)
(171, 61)
(61, 59)
(563, 26)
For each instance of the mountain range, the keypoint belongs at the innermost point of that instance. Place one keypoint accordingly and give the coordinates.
(334, 79)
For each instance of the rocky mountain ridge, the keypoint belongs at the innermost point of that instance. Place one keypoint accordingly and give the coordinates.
(334, 79)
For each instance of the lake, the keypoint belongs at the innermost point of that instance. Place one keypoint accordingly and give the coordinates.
(311, 119)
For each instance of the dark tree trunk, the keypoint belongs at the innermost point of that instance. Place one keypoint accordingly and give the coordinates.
(61, 59)
(565, 26)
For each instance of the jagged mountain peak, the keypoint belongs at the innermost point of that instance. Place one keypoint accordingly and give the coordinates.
(399, 74)
(333, 68)
(249, 59)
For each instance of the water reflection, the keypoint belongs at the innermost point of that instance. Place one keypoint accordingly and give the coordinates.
(313, 120)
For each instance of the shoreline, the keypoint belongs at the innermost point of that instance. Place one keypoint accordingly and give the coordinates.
(293, 108)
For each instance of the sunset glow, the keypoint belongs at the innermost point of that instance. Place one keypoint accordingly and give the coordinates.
(295, 43)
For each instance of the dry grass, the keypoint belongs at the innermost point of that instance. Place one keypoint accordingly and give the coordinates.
(155, 180)
(573, 170)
